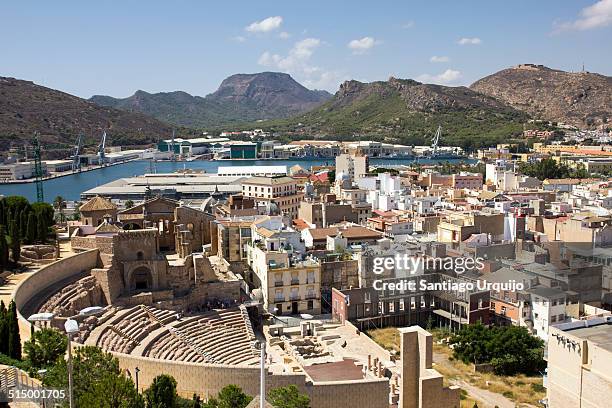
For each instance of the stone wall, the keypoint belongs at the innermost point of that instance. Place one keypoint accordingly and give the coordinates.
(208, 379)
(29, 291)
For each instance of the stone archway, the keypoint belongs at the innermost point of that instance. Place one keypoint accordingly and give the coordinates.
(141, 279)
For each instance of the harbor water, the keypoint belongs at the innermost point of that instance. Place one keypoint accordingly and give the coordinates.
(71, 186)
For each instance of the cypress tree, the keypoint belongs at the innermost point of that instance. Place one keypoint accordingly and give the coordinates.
(32, 229)
(3, 330)
(42, 228)
(14, 341)
(15, 244)
(4, 249)
(2, 212)
(23, 223)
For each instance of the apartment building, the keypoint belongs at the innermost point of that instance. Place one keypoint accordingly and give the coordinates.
(351, 166)
(579, 361)
(279, 191)
(232, 238)
(289, 285)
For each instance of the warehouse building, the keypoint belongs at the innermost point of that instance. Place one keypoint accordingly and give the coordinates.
(190, 147)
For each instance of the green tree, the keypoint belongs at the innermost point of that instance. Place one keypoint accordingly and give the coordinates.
(288, 397)
(113, 391)
(45, 347)
(15, 241)
(59, 204)
(129, 204)
(4, 329)
(232, 396)
(97, 378)
(4, 249)
(42, 230)
(509, 349)
(162, 392)
(14, 340)
(32, 229)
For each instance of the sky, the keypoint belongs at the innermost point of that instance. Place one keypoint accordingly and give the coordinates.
(117, 47)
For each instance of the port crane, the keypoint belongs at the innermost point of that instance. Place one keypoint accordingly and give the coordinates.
(38, 172)
(435, 141)
(76, 157)
(101, 147)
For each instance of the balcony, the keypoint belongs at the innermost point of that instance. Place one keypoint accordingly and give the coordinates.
(279, 299)
(295, 281)
(279, 283)
(311, 296)
(310, 281)
(294, 297)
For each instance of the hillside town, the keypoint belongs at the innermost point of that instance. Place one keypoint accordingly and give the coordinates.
(192, 270)
(306, 204)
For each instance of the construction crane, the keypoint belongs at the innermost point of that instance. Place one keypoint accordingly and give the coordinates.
(38, 172)
(76, 158)
(435, 141)
(101, 147)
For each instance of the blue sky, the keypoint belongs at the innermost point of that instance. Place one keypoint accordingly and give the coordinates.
(117, 47)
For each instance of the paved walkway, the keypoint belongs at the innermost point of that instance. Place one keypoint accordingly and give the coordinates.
(13, 280)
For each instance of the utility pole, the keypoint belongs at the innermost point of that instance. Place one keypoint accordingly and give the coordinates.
(38, 172)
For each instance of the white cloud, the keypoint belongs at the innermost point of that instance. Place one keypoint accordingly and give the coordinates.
(297, 58)
(284, 35)
(298, 63)
(265, 25)
(436, 58)
(447, 77)
(362, 45)
(408, 24)
(595, 16)
(469, 41)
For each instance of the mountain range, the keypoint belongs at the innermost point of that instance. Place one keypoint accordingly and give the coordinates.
(59, 117)
(581, 99)
(407, 111)
(492, 109)
(240, 98)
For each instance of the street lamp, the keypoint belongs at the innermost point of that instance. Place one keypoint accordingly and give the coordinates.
(71, 327)
(42, 373)
(136, 371)
(261, 345)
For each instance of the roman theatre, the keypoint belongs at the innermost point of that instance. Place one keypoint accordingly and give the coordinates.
(165, 304)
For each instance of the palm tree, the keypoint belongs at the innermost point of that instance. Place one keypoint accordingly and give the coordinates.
(59, 204)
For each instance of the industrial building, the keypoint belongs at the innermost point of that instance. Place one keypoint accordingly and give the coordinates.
(190, 147)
